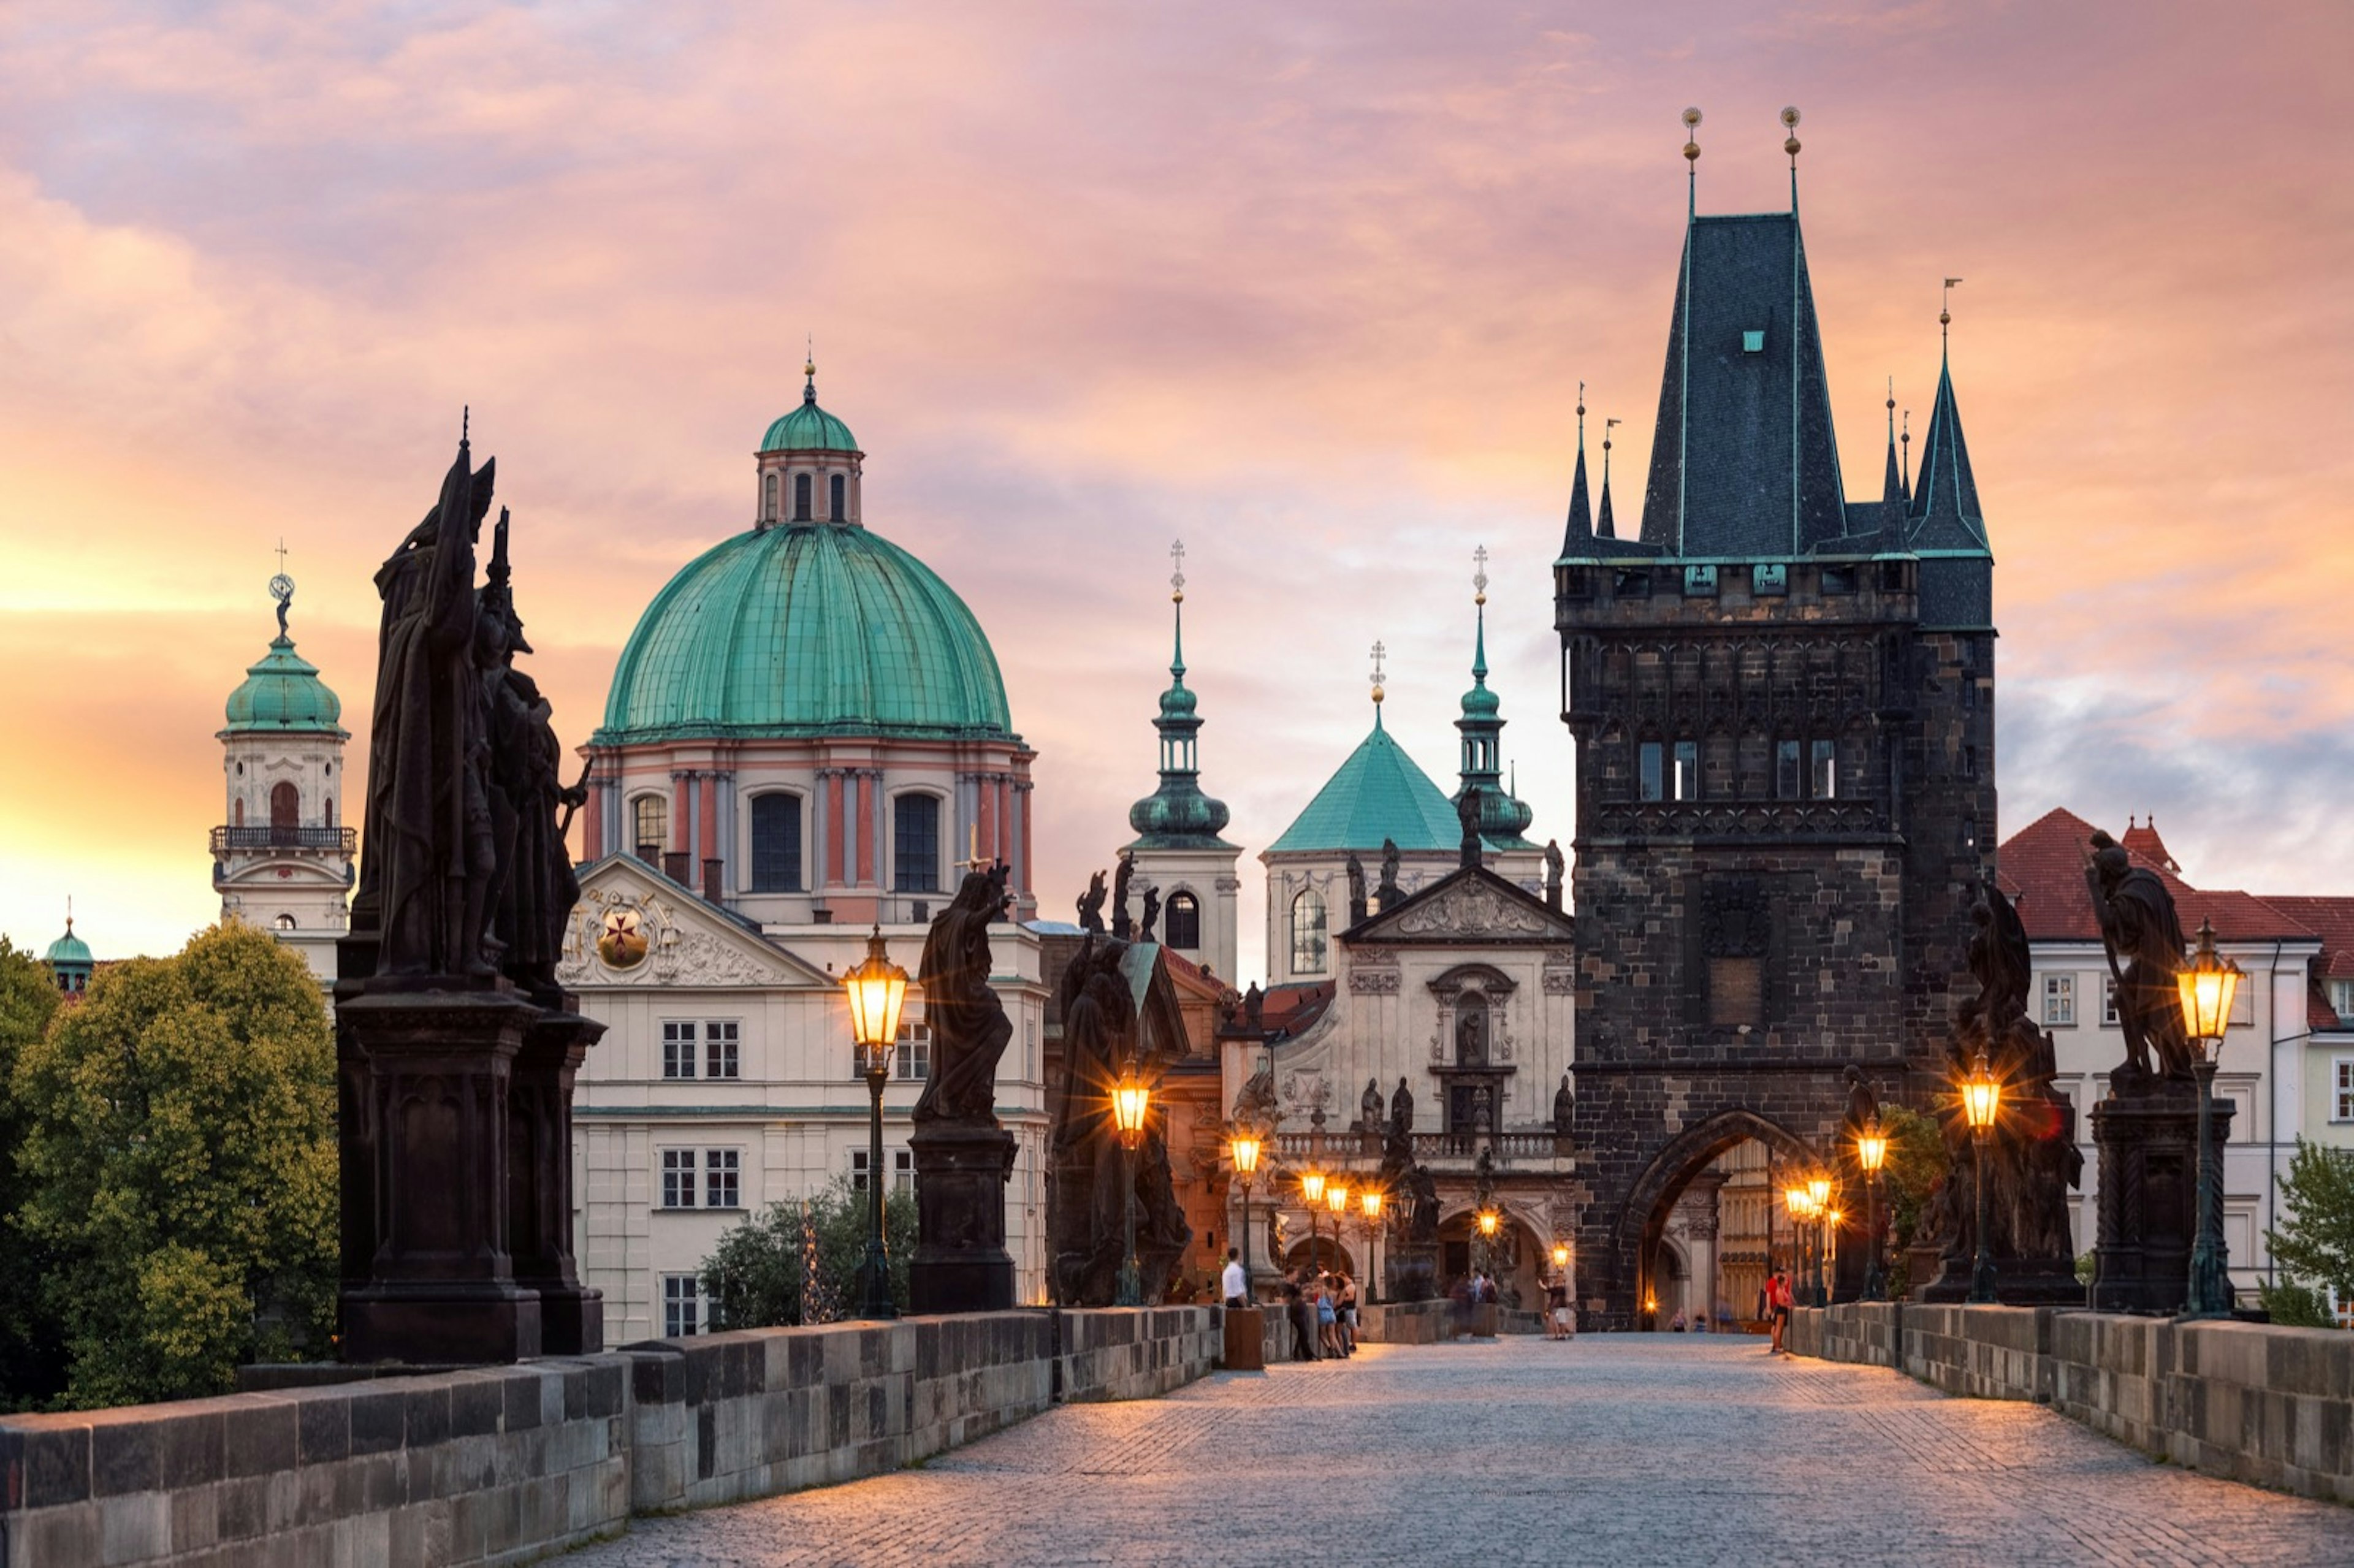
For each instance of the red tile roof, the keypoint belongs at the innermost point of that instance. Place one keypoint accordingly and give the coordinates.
(2142, 839)
(2333, 919)
(2041, 867)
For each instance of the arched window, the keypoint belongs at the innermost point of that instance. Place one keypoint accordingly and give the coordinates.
(839, 498)
(1181, 923)
(652, 814)
(285, 807)
(776, 843)
(915, 844)
(1308, 932)
(769, 498)
(237, 814)
(1472, 1029)
(800, 498)
(284, 923)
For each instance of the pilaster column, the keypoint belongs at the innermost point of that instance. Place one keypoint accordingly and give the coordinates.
(682, 806)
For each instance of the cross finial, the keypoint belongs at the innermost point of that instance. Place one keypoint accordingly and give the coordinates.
(465, 425)
(1479, 575)
(1379, 654)
(972, 861)
(1177, 571)
(281, 553)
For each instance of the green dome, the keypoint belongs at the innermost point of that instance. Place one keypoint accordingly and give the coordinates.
(809, 428)
(802, 630)
(68, 951)
(283, 695)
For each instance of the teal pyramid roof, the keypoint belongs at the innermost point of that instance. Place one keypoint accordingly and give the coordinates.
(1378, 793)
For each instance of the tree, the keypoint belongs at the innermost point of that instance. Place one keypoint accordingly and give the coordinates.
(32, 1348)
(180, 1147)
(2316, 1247)
(754, 1275)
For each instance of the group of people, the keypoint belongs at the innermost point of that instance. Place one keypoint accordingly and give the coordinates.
(1320, 1306)
(1473, 1290)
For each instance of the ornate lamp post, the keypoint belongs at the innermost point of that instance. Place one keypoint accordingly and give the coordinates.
(1336, 1199)
(1871, 1153)
(1981, 1102)
(1800, 1205)
(1370, 1202)
(1819, 1202)
(1490, 1221)
(1311, 1193)
(878, 987)
(1244, 1150)
(2207, 987)
(1130, 1100)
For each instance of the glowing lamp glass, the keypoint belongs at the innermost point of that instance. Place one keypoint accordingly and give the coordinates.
(1370, 1201)
(1246, 1156)
(1560, 1255)
(2207, 985)
(877, 988)
(1336, 1198)
(1311, 1186)
(1819, 1191)
(1871, 1146)
(1488, 1220)
(1130, 1099)
(1796, 1199)
(1981, 1095)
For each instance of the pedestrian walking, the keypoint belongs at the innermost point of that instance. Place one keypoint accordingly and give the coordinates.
(1297, 1308)
(1560, 1322)
(1327, 1317)
(1234, 1284)
(1348, 1310)
(1778, 1302)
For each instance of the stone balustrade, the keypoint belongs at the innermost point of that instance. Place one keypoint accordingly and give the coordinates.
(2253, 1402)
(506, 1464)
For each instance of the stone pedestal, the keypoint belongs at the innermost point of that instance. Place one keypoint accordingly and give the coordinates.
(2147, 1135)
(426, 1073)
(539, 1179)
(1246, 1349)
(961, 1262)
(1410, 1271)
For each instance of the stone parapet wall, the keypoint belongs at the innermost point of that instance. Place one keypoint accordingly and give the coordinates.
(2256, 1402)
(1404, 1323)
(506, 1464)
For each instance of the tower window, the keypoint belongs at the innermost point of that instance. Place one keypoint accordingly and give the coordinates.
(1687, 773)
(776, 843)
(1649, 767)
(800, 498)
(1181, 923)
(285, 808)
(652, 814)
(838, 498)
(916, 845)
(769, 498)
(1785, 770)
(1308, 932)
(1826, 770)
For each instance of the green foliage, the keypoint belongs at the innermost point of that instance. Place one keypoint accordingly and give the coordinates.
(1916, 1164)
(2296, 1306)
(754, 1275)
(2084, 1268)
(32, 1350)
(179, 1157)
(2315, 1245)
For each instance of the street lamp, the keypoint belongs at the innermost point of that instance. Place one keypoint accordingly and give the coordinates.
(1370, 1201)
(1818, 1199)
(1871, 1153)
(877, 988)
(1311, 1193)
(1800, 1204)
(2207, 987)
(1244, 1151)
(1489, 1220)
(1336, 1199)
(1981, 1101)
(1130, 1100)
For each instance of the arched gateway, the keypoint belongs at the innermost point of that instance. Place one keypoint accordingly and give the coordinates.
(1783, 706)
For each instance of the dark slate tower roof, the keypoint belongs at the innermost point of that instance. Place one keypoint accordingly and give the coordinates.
(1743, 463)
(1580, 530)
(1944, 514)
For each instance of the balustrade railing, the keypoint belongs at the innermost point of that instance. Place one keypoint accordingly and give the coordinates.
(226, 839)
(1429, 1148)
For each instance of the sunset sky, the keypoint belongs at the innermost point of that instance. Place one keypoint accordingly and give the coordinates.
(1309, 285)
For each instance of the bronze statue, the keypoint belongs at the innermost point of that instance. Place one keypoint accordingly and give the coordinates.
(1402, 1112)
(1565, 1109)
(1388, 891)
(1356, 889)
(428, 855)
(1122, 929)
(1151, 914)
(1554, 865)
(2144, 937)
(1369, 1107)
(1862, 1104)
(970, 1029)
(1091, 903)
(1254, 1104)
(1467, 812)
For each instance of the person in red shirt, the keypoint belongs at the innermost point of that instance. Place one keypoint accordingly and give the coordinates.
(1778, 1302)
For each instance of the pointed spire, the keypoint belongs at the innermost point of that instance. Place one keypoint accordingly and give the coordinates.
(1892, 486)
(808, 370)
(1906, 442)
(1604, 528)
(1790, 145)
(1581, 510)
(1691, 163)
(1178, 815)
(1945, 509)
(1177, 598)
(1379, 654)
(1502, 818)
(1480, 601)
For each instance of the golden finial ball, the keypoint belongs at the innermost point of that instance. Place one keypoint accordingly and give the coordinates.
(1692, 116)
(1945, 318)
(808, 367)
(1791, 146)
(1691, 152)
(1377, 694)
(1790, 117)
(1479, 597)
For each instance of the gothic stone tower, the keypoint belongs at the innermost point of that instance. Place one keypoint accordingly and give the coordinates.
(1782, 702)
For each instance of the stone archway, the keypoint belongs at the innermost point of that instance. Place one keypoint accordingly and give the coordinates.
(1643, 1220)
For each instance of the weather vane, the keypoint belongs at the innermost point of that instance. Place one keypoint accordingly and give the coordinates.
(282, 587)
(1177, 571)
(1378, 652)
(1945, 303)
(1479, 575)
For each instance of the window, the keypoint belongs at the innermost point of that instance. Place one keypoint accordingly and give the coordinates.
(1839, 579)
(1181, 923)
(915, 1050)
(838, 495)
(652, 814)
(678, 1178)
(903, 1171)
(720, 1059)
(2244, 1007)
(1647, 771)
(1786, 769)
(722, 1179)
(2341, 1000)
(1769, 580)
(776, 843)
(1826, 770)
(1308, 932)
(2343, 1110)
(768, 499)
(2109, 1001)
(682, 1306)
(678, 1048)
(285, 808)
(2060, 1002)
(1686, 781)
(284, 923)
(915, 844)
(1970, 753)
(800, 498)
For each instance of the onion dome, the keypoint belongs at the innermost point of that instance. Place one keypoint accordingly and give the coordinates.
(1502, 818)
(281, 693)
(1178, 815)
(809, 428)
(802, 630)
(69, 960)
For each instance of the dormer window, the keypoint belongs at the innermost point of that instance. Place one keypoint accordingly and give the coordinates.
(838, 498)
(800, 498)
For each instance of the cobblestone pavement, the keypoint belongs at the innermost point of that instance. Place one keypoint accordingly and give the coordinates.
(1613, 1448)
